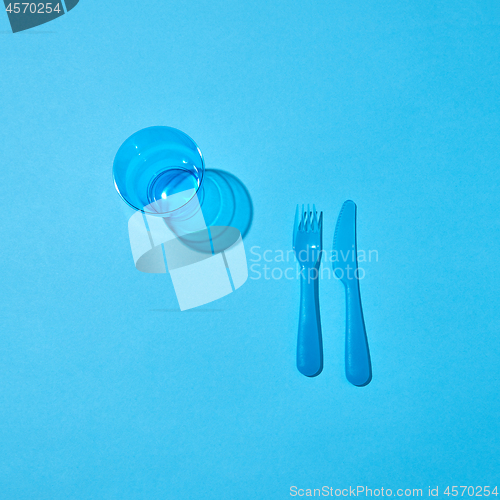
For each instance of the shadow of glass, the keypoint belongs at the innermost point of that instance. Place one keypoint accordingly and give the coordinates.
(226, 205)
(190, 310)
(225, 201)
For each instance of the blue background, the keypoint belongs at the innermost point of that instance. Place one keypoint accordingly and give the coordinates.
(107, 391)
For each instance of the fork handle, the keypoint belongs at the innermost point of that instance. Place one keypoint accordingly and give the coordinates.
(357, 355)
(309, 341)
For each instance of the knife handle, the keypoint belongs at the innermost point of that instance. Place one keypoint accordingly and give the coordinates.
(309, 340)
(358, 368)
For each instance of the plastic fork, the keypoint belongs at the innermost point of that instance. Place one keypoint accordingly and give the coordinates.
(307, 245)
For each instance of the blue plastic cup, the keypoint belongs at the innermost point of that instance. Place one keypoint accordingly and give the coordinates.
(153, 165)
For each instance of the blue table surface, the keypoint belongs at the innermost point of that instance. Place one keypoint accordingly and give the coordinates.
(108, 391)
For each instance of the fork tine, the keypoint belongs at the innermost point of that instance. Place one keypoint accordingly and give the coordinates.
(308, 220)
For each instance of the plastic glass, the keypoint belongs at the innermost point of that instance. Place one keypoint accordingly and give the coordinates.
(155, 163)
